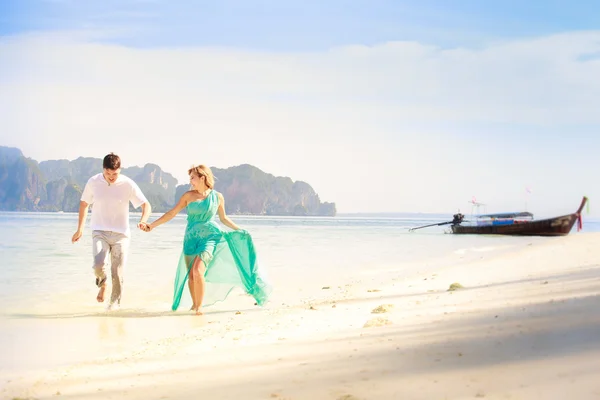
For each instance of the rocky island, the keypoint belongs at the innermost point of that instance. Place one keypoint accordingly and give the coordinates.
(56, 185)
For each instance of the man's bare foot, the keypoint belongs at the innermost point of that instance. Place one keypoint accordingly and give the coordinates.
(198, 312)
(100, 296)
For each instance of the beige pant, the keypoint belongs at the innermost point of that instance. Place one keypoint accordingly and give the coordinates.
(117, 244)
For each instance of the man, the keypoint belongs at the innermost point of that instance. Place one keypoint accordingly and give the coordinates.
(109, 193)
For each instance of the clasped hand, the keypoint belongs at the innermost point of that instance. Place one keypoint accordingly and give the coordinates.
(145, 226)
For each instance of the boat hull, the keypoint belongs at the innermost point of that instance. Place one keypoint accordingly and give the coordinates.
(557, 226)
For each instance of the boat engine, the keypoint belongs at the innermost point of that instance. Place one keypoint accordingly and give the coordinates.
(457, 219)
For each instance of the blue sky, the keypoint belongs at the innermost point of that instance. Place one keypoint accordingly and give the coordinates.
(422, 105)
(301, 25)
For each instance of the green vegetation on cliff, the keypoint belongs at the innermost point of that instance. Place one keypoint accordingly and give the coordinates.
(56, 185)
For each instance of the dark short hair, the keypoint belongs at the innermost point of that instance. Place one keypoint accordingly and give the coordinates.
(111, 161)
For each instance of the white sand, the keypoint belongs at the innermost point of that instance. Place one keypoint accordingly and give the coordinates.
(525, 326)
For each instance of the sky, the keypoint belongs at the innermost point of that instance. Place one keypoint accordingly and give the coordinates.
(381, 106)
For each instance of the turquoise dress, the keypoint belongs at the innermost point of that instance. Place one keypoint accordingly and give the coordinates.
(229, 257)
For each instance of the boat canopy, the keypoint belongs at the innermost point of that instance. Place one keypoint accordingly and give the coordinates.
(507, 215)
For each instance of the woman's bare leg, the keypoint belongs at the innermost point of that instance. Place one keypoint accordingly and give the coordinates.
(191, 287)
(190, 263)
(198, 284)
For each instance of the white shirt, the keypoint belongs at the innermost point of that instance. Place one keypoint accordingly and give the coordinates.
(110, 202)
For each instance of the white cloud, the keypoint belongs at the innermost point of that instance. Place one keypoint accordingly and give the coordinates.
(359, 123)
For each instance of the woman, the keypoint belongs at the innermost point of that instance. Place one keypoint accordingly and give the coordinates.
(223, 259)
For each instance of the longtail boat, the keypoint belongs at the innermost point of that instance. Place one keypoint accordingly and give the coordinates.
(518, 223)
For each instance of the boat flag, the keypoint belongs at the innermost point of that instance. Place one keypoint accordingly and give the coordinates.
(587, 205)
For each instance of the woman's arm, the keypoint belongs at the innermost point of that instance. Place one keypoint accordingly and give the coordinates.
(166, 217)
(223, 217)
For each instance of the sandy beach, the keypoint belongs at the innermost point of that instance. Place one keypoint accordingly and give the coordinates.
(524, 325)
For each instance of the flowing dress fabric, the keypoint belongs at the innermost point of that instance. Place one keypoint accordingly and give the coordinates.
(229, 257)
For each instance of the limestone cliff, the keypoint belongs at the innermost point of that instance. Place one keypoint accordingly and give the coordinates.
(158, 186)
(56, 185)
(248, 190)
(22, 184)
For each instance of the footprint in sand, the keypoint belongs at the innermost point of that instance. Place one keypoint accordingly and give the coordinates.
(347, 397)
(382, 309)
(377, 322)
(279, 396)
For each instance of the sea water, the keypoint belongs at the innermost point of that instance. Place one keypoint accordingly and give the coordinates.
(47, 287)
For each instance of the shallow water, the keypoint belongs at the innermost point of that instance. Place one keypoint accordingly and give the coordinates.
(48, 293)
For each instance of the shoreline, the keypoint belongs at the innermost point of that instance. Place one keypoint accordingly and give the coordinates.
(525, 325)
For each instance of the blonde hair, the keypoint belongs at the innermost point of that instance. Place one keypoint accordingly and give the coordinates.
(203, 170)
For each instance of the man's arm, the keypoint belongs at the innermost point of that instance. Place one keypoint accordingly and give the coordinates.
(138, 197)
(83, 210)
(146, 211)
